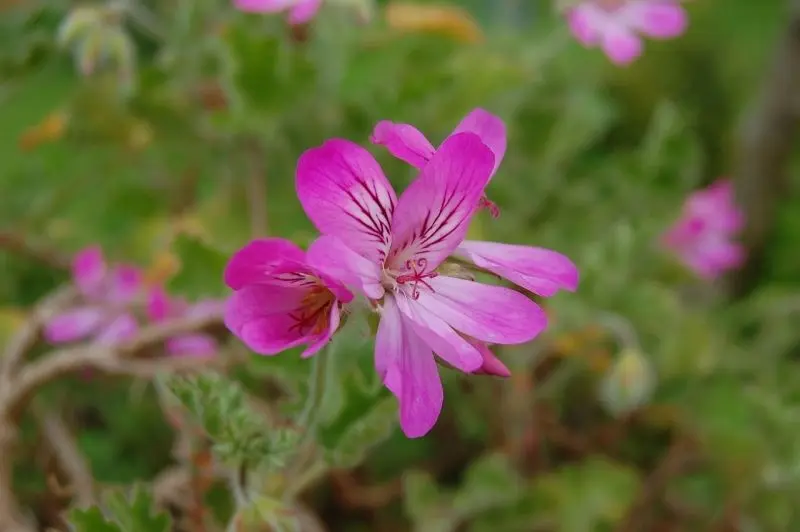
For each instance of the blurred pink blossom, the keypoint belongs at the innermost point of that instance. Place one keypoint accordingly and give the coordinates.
(618, 25)
(161, 307)
(299, 11)
(703, 237)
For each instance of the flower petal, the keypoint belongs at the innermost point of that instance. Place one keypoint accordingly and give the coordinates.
(621, 45)
(205, 308)
(192, 345)
(539, 270)
(491, 364)
(126, 281)
(263, 6)
(411, 369)
(404, 141)
(158, 306)
(89, 270)
(656, 19)
(440, 337)
(333, 258)
(120, 329)
(322, 340)
(585, 23)
(304, 11)
(434, 212)
(493, 314)
(74, 324)
(256, 261)
(490, 129)
(716, 207)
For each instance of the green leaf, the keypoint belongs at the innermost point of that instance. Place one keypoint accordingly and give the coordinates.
(90, 520)
(426, 505)
(135, 512)
(490, 482)
(201, 267)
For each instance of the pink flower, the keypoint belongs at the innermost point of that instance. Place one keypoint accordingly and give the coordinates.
(161, 307)
(279, 300)
(703, 236)
(616, 25)
(408, 144)
(300, 11)
(106, 294)
(390, 250)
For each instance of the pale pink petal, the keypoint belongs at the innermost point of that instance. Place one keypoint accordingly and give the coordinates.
(332, 257)
(315, 344)
(542, 271)
(434, 212)
(584, 22)
(411, 369)
(491, 364)
(493, 314)
(716, 206)
(621, 45)
(75, 324)
(404, 141)
(206, 308)
(303, 11)
(192, 345)
(713, 257)
(120, 329)
(490, 129)
(258, 259)
(263, 6)
(345, 194)
(126, 282)
(89, 270)
(440, 337)
(658, 19)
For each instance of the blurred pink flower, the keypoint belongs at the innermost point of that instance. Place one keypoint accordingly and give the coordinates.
(161, 307)
(703, 237)
(617, 25)
(390, 249)
(300, 11)
(279, 300)
(103, 315)
(408, 144)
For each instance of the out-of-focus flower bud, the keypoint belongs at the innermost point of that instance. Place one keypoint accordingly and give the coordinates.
(628, 384)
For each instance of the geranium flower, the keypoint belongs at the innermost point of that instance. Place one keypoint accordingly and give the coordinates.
(408, 144)
(161, 307)
(279, 300)
(103, 314)
(703, 238)
(617, 25)
(392, 251)
(300, 11)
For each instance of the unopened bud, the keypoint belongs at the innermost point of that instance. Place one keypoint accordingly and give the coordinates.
(629, 383)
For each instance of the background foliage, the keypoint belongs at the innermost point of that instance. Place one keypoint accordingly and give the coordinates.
(651, 403)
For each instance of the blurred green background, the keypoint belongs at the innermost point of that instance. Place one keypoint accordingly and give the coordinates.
(652, 403)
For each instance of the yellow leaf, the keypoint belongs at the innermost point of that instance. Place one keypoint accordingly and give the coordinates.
(165, 265)
(451, 21)
(48, 130)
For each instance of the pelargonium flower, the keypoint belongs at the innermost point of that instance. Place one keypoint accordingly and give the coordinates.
(617, 25)
(300, 11)
(279, 300)
(408, 144)
(703, 237)
(161, 307)
(393, 251)
(106, 293)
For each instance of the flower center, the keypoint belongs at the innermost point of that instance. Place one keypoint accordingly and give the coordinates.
(313, 315)
(415, 275)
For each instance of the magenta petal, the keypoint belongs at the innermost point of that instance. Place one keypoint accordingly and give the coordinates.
(126, 281)
(75, 324)
(404, 141)
(658, 19)
(121, 329)
(412, 368)
(583, 22)
(303, 11)
(315, 344)
(621, 45)
(345, 194)
(332, 257)
(716, 207)
(158, 305)
(493, 314)
(192, 345)
(263, 6)
(490, 129)
(491, 364)
(255, 261)
(89, 270)
(434, 212)
(539, 270)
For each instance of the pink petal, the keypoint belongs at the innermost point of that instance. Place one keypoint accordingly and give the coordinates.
(492, 314)
(716, 206)
(439, 336)
(158, 306)
(74, 324)
(659, 19)
(121, 328)
(304, 11)
(404, 141)
(542, 271)
(621, 45)
(332, 257)
(434, 212)
(192, 345)
(263, 6)
(584, 23)
(322, 340)
(400, 350)
(257, 260)
(126, 281)
(490, 129)
(713, 257)
(345, 194)
(491, 364)
(89, 270)
(206, 308)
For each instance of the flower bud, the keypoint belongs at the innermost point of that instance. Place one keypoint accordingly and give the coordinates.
(628, 384)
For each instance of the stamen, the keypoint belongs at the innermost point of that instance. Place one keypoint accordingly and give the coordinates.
(313, 315)
(486, 203)
(417, 276)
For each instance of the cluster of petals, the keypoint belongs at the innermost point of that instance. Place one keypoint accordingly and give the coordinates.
(703, 238)
(391, 251)
(617, 26)
(161, 307)
(298, 11)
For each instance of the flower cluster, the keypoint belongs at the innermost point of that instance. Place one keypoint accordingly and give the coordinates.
(397, 253)
(299, 11)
